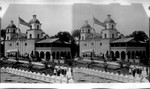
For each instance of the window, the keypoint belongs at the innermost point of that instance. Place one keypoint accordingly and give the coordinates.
(30, 35)
(85, 44)
(100, 43)
(37, 26)
(38, 35)
(112, 26)
(83, 30)
(92, 43)
(112, 35)
(105, 35)
(25, 44)
(17, 43)
(7, 37)
(82, 38)
(88, 30)
(8, 31)
(10, 44)
(14, 31)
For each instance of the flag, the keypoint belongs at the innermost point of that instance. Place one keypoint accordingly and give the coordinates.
(96, 21)
(21, 21)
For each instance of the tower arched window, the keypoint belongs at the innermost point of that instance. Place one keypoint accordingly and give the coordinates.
(105, 35)
(8, 30)
(37, 26)
(14, 31)
(82, 38)
(7, 37)
(112, 26)
(30, 35)
(38, 36)
(88, 30)
(112, 35)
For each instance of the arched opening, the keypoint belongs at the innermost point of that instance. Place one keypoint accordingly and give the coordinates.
(47, 55)
(133, 55)
(123, 55)
(53, 54)
(141, 54)
(112, 26)
(137, 54)
(62, 54)
(128, 53)
(36, 54)
(117, 54)
(105, 35)
(41, 54)
(112, 54)
(144, 54)
(68, 54)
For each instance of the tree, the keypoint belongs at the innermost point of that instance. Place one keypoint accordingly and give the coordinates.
(3, 35)
(66, 37)
(63, 36)
(139, 35)
(76, 34)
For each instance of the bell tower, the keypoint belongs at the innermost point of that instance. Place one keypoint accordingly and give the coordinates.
(85, 30)
(110, 30)
(35, 32)
(10, 30)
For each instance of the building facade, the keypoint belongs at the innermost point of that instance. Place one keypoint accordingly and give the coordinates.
(128, 48)
(107, 42)
(97, 43)
(27, 43)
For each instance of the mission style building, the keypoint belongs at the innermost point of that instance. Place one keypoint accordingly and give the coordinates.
(33, 42)
(107, 42)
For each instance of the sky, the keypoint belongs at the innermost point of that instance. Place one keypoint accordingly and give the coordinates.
(55, 18)
(128, 17)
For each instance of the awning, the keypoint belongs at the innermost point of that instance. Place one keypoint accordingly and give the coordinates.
(12, 51)
(87, 51)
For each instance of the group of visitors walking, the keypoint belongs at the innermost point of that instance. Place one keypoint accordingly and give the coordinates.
(63, 71)
(138, 71)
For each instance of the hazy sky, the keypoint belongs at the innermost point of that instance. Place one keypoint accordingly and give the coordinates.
(55, 18)
(128, 18)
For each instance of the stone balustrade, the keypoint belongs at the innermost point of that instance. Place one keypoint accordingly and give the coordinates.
(37, 76)
(112, 76)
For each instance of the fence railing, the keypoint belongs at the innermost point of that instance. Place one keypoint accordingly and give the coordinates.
(111, 75)
(37, 76)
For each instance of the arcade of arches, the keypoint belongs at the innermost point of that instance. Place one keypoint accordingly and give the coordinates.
(128, 54)
(53, 55)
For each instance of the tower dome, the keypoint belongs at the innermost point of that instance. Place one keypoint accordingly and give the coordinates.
(109, 19)
(86, 25)
(34, 20)
(11, 25)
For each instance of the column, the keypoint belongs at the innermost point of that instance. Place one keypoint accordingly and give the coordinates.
(126, 55)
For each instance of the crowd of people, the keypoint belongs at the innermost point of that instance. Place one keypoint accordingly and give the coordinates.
(61, 71)
(138, 71)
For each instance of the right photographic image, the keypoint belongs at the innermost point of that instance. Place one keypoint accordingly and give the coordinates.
(113, 43)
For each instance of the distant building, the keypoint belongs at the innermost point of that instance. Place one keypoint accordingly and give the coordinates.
(33, 41)
(128, 48)
(107, 42)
